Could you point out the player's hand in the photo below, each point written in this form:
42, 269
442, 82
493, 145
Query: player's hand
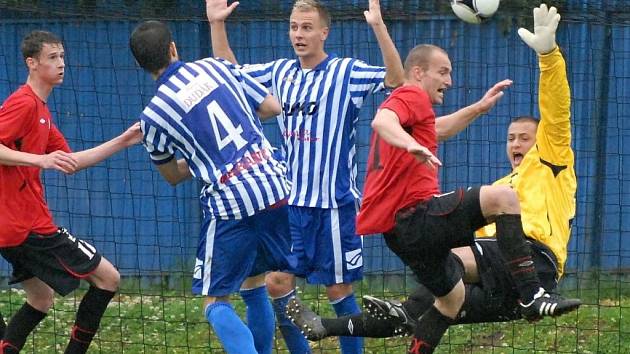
424, 155
59, 160
373, 16
218, 10
543, 40
492, 96
133, 135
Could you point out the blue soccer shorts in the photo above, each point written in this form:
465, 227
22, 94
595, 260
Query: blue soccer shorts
229, 251
325, 244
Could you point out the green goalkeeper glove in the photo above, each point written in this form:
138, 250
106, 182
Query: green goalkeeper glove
543, 40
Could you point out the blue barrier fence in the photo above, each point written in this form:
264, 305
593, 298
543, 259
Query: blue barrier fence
147, 227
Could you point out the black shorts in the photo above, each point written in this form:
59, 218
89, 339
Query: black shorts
495, 298
59, 260
424, 235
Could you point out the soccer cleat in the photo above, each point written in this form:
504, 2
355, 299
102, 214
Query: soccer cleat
306, 320
391, 310
547, 304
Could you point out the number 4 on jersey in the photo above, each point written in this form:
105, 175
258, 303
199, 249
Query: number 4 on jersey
217, 115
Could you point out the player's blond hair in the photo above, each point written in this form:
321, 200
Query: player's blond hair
313, 5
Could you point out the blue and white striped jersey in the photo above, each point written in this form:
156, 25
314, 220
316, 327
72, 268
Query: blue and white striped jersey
320, 109
206, 110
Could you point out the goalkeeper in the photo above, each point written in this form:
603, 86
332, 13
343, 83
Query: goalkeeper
544, 178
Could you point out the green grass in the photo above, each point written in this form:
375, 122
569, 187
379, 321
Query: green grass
152, 320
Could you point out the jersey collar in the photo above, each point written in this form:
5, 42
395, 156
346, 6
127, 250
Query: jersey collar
322, 65
170, 70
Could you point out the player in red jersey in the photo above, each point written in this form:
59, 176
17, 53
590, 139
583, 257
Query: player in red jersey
47, 258
402, 200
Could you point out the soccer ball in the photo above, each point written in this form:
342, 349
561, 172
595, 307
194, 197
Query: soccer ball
474, 11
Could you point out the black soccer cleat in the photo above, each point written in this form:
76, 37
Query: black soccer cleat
547, 304
391, 310
306, 320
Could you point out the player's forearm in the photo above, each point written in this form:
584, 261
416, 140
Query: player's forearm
270, 107
387, 126
95, 155
395, 75
220, 44
175, 171
449, 125
10, 157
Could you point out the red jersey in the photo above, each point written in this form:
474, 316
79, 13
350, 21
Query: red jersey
395, 179
25, 125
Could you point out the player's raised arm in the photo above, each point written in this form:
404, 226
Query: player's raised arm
554, 95
217, 11
395, 74
449, 125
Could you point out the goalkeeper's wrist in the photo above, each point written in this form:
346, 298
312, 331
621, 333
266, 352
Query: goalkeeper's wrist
549, 53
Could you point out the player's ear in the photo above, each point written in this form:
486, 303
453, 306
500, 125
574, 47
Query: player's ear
324, 35
418, 73
30, 63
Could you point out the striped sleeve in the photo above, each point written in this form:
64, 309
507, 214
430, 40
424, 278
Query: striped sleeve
255, 92
262, 73
157, 142
366, 78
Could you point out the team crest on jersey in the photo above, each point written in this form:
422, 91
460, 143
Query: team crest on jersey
195, 91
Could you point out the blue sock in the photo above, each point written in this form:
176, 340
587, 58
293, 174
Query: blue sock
231, 331
343, 307
293, 337
260, 319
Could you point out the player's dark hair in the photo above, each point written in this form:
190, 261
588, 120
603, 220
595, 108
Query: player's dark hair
523, 119
150, 42
33, 42
420, 56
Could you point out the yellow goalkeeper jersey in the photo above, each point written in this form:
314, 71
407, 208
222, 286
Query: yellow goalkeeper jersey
545, 180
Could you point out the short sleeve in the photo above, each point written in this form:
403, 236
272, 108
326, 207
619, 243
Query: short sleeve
156, 141
14, 115
366, 79
254, 91
262, 73
410, 105
56, 140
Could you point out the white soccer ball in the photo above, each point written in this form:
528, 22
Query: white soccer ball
474, 11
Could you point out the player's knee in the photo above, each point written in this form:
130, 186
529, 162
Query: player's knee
450, 304
108, 280
114, 280
338, 291
105, 277
279, 284
254, 282
42, 300
499, 200
211, 300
